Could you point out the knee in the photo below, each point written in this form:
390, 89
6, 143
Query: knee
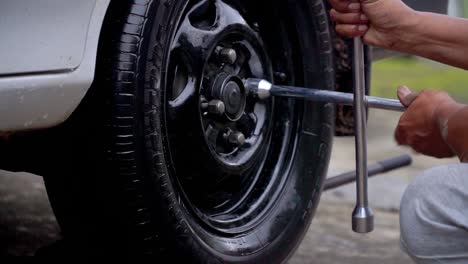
422, 212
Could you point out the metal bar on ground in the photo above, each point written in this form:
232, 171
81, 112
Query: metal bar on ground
373, 170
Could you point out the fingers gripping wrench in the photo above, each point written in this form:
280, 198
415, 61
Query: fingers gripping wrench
363, 217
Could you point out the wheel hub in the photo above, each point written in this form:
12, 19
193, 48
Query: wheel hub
234, 130
231, 91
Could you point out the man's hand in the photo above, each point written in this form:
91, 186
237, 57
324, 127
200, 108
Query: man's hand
424, 125
381, 22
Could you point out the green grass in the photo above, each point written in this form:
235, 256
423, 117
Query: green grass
417, 74
463, 4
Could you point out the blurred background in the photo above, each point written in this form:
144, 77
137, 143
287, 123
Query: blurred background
27, 222
458, 8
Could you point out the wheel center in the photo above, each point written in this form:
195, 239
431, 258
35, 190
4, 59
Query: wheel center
235, 126
231, 91
232, 98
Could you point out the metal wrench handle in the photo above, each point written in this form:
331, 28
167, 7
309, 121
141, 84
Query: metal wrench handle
316, 95
363, 217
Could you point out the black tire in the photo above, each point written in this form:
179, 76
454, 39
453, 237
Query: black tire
113, 188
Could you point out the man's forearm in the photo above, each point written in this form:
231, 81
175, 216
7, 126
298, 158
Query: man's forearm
437, 37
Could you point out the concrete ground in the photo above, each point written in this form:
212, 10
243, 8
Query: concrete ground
27, 222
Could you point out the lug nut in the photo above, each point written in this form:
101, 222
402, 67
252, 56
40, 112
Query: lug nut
203, 103
227, 55
281, 76
236, 138
216, 107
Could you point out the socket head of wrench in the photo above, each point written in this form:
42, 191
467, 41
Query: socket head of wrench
258, 87
363, 220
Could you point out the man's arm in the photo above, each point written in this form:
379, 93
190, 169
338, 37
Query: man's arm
393, 25
434, 123
437, 37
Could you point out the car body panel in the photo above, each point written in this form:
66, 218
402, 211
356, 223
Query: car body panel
43, 35
47, 73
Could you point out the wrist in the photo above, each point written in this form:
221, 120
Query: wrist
443, 113
456, 128
408, 33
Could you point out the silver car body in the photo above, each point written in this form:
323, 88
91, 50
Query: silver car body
48, 52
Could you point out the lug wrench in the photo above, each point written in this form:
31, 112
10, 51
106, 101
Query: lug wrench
363, 217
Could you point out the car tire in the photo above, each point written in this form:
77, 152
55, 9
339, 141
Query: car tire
134, 177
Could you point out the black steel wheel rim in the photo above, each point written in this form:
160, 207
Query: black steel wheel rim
228, 151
